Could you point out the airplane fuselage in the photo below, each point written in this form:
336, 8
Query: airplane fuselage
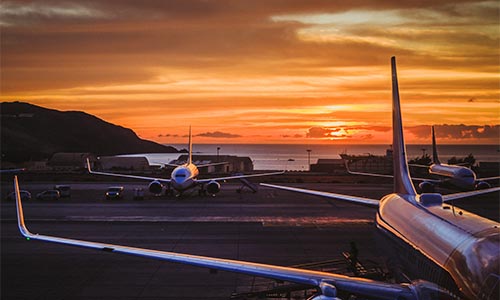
448, 246
461, 177
184, 177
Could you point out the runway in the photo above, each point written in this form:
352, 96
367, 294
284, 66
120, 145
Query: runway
271, 226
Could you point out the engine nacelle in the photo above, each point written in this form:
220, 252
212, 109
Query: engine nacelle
426, 187
155, 187
213, 187
482, 185
328, 292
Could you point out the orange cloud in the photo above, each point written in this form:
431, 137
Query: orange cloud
254, 67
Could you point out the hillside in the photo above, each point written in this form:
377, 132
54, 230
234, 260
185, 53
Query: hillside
33, 132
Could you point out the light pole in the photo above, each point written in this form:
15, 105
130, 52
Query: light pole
309, 158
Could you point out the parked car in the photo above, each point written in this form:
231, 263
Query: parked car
114, 192
25, 195
49, 195
64, 190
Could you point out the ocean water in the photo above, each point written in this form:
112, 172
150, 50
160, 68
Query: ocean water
295, 157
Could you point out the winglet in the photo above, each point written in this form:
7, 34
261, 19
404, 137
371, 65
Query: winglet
190, 157
19, 207
402, 180
346, 163
435, 158
88, 166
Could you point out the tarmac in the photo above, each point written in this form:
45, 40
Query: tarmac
271, 226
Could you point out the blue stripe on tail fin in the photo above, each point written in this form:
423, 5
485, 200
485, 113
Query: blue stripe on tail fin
402, 180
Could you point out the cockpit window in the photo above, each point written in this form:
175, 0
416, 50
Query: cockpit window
180, 175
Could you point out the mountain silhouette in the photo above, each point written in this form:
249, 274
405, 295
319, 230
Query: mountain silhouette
30, 132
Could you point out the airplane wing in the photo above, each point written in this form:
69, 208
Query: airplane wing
199, 166
391, 176
327, 283
165, 164
347, 198
12, 170
126, 175
205, 180
369, 174
488, 178
212, 164
455, 196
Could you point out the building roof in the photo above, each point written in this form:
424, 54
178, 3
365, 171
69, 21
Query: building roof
68, 158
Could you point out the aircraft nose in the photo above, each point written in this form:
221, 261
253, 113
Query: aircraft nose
180, 176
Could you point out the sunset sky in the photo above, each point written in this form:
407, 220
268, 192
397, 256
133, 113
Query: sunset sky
260, 71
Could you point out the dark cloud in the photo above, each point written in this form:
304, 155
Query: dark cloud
318, 132
296, 136
457, 132
167, 54
219, 134
59, 44
168, 135
368, 127
16, 13
365, 137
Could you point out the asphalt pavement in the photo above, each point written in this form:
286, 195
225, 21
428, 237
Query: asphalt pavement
271, 226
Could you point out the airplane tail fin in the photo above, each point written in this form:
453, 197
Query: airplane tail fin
402, 180
435, 158
190, 148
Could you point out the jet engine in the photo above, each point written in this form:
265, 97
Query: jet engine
213, 187
328, 292
155, 187
426, 187
482, 185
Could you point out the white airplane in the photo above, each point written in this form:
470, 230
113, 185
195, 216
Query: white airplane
459, 254
184, 177
458, 176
